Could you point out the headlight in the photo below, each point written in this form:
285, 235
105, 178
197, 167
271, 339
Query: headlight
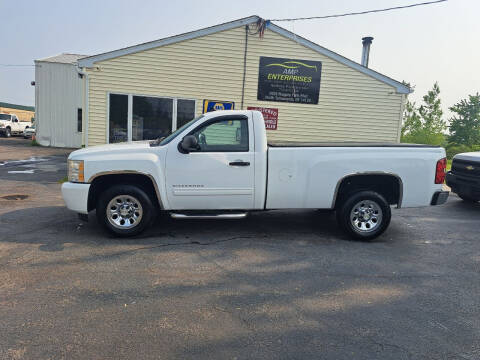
75, 171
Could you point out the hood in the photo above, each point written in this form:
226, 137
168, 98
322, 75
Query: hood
474, 156
119, 148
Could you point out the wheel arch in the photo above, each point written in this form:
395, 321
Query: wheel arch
101, 181
389, 185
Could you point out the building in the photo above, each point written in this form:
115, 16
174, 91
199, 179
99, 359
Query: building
24, 113
59, 101
306, 92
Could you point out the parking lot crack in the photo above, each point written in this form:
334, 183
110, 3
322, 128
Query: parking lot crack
186, 243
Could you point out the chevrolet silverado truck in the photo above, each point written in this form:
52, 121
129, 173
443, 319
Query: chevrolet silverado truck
464, 177
10, 125
220, 165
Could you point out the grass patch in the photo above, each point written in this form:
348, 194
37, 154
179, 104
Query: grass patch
449, 165
64, 179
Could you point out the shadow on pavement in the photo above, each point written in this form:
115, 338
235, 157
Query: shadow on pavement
275, 285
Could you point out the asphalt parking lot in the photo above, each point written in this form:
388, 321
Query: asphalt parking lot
277, 285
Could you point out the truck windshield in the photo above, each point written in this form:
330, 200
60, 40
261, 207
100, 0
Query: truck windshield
178, 131
5, 117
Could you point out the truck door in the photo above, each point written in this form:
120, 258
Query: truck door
15, 124
220, 174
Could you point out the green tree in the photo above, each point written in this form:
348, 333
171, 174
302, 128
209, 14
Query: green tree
465, 124
425, 124
411, 122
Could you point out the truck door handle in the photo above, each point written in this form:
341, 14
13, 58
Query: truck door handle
239, 163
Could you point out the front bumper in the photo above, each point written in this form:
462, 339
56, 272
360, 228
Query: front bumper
439, 198
467, 185
75, 196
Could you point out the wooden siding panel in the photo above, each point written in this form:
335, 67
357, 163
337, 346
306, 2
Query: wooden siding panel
352, 105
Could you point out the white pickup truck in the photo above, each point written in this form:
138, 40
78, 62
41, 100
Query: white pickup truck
220, 165
10, 125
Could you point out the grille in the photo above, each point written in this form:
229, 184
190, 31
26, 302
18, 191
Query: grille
464, 167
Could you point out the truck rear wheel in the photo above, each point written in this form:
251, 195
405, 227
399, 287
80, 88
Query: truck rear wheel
125, 210
364, 215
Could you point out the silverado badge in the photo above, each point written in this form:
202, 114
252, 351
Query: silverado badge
470, 167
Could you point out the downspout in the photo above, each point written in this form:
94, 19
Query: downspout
400, 124
244, 66
85, 101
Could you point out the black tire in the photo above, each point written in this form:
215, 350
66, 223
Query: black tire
8, 132
467, 198
377, 222
147, 215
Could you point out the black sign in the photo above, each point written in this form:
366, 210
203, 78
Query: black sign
289, 80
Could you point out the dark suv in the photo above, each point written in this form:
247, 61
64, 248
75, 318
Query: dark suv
464, 178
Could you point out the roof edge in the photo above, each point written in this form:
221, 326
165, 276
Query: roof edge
400, 87
56, 58
91, 60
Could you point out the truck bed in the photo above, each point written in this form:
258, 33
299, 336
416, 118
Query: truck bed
307, 174
283, 144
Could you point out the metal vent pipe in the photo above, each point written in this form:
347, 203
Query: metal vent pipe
366, 41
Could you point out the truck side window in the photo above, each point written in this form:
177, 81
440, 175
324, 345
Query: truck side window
223, 136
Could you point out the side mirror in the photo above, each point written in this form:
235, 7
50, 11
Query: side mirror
188, 144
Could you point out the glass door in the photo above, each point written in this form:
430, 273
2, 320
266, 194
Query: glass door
185, 111
118, 118
151, 117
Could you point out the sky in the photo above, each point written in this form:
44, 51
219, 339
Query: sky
420, 45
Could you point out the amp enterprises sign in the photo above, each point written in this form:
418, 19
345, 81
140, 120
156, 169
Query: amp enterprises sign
289, 80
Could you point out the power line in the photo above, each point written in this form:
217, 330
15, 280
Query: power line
361, 12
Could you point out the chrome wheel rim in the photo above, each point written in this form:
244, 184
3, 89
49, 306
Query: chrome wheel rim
366, 216
124, 212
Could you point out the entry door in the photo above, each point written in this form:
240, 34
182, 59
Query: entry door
220, 175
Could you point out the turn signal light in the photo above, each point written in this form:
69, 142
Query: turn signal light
440, 171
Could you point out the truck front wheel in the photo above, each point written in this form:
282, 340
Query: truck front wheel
8, 132
364, 215
125, 210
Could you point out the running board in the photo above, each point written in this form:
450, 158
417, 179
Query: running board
209, 216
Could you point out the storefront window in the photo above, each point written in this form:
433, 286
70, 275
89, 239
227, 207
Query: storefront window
134, 117
185, 111
151, 117
118, 118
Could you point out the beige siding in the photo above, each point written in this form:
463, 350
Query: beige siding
352, 106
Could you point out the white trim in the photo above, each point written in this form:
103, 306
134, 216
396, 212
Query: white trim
174, 115
129, 118
87, 95
91, 60
107, 126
